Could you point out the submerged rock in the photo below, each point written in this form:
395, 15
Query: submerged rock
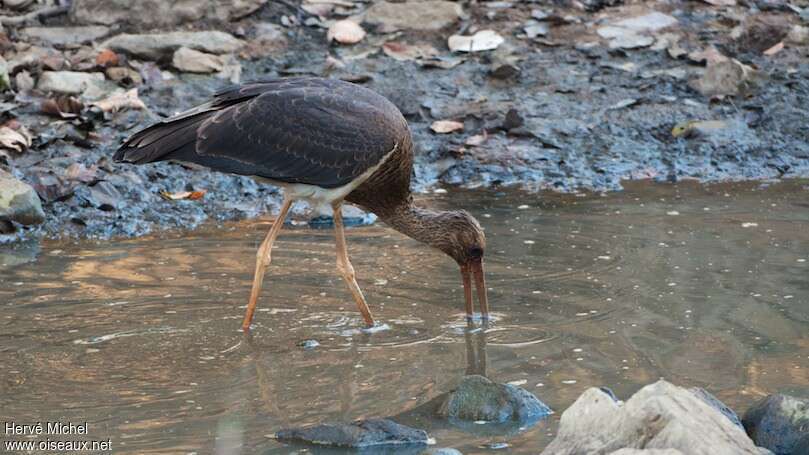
779, 423
161, 45
478, 398
659, 416
441, 451
18, 201
359, 434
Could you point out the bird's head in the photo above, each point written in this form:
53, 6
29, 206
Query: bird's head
464, 241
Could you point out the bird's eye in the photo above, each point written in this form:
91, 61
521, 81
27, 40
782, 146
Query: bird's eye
476, 252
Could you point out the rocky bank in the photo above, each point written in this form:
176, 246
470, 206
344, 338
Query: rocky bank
565, 96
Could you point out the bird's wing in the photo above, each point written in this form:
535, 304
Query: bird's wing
302, 130
315, 135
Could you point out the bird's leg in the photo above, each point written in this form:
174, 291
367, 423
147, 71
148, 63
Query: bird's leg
345, 268
263, 258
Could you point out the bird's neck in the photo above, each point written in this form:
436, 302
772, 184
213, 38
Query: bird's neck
417, 222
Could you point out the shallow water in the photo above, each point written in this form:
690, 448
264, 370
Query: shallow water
703, 285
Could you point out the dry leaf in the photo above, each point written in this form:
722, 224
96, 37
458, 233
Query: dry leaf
775, 49
446, 126
62, 106
476, 140
345, 32
403, 52
77, 171
484, 40
120, 101
191, 195
17, 140
721, 2
107, 58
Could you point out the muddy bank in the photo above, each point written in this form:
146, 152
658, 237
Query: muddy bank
569, 97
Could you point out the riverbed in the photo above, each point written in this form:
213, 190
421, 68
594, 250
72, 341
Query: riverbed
704, 285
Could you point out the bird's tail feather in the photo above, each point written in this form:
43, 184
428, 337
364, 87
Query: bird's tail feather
162, 140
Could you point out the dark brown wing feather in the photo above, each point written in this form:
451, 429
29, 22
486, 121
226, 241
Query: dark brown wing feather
301, 130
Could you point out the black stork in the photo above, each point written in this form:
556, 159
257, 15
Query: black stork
321, 140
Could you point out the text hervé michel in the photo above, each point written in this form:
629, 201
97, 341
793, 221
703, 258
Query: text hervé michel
38, 428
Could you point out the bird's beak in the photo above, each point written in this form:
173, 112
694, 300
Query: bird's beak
474, 269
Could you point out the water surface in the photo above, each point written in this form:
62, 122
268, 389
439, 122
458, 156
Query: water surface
703, 285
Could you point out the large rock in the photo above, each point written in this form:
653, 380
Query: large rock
779, 422
68, 82
715, 403
162, 45
359, 434
413, 15
18, 201
478, 398
62, 36
659, 416
159, 13
647, 452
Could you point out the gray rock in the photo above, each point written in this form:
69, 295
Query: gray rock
441, 451
779, 423
191, 61
426, 15
103, 196
163, 45
18, 201
478, 398
727, 77
647, 452
68, 82
659, 416
803, 445
359, 434
267, 39
61, 36
159, 13
715, 403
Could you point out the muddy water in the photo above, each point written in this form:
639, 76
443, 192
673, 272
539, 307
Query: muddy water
705, 286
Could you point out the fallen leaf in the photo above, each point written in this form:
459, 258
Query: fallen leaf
446, 126
62, 106
697, 127
17, 140
484, 40
345, 32
721, 2
77, 171
179, 195
120, 100
775, 49
622, 104
708, 55
476, 140
404, 52
107, 58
